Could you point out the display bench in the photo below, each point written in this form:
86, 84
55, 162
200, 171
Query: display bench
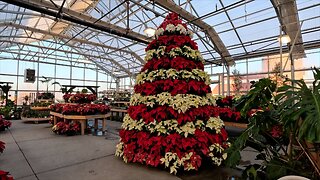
37, 119
117, 112
82, 119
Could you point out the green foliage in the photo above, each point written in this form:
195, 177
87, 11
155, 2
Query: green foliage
6, 111
29, 113
260, 95
84, 91
296, 110
301, 102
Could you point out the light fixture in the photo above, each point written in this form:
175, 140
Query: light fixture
149, 31
284, 39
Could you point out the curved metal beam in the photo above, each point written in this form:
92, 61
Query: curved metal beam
48, 8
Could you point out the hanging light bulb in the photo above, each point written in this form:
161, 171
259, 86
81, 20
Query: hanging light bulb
284, 39
149, 31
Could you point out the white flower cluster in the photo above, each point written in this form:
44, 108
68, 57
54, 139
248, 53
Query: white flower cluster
172, 28
166, 127
151, 76
184, 51
179, 102
215, 123
217, 148
119, 149
173, 161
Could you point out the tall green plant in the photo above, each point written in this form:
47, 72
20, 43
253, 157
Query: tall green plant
295, 110
299, 107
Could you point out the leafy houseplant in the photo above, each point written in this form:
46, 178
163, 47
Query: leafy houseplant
300, 111
273, 127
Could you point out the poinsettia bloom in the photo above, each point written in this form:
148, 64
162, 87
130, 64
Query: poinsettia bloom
276, 131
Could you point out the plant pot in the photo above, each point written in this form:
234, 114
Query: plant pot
2, 128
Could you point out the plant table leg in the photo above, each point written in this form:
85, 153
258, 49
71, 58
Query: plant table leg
82, 126
54, 120
104, 122
96, 124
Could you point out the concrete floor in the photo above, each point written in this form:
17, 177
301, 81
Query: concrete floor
34, 152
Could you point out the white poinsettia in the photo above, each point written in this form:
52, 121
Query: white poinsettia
169, 126
185, 51
173, 161
170, 28
181, 29
159, 32
215, 123
217, 148
151, 76
119, 149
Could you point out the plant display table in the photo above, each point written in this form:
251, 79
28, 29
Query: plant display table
33, 111
117, 111
82, 119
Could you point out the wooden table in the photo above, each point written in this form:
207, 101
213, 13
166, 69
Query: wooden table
237, 125
117, 111
82, 119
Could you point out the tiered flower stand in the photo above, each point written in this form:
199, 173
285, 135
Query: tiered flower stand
82, 119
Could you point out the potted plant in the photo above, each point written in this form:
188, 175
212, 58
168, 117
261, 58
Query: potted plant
299, 109
283, 122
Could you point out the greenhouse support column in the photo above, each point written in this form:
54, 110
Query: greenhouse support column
117, 84
55, 75
38, 78
17, 86
97, 76
228, 80
247, 70
70, 72
84, 74
219, 80
222, 82
281, 70
292, 69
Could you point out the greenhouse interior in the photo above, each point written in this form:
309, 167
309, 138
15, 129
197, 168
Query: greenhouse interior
160, 89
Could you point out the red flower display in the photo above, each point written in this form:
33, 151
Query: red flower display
173, 86
80, 109
68, 128
79, 98
157, 133
178, 63
5, 175
227, 112
4, 124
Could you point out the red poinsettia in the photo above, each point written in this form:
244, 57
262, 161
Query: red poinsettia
69, 128
172, 41
79, 98
81, 109
178, 63
4, 124
5, 175
175, 87
276, 131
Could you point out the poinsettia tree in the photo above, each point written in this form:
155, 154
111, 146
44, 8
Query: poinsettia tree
172, 121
